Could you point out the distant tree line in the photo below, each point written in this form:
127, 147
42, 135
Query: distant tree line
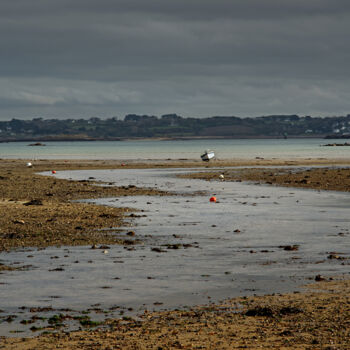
174, 126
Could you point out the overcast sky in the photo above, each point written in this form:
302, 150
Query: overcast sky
196, 58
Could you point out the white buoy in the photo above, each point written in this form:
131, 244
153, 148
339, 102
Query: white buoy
221, 176
29, 165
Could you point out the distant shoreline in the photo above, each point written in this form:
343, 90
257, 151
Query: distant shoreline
172, 138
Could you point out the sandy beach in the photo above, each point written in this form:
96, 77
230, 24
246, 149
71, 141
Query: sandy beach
38, 212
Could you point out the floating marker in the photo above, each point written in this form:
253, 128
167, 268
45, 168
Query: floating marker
29, 165
53, 171
212, 199
221, 176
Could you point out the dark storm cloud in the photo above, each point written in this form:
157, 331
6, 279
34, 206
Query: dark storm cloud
203, 9
198, 57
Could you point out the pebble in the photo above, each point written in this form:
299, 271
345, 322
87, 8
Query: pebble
158, 250
319, 278
290, 247
18, 222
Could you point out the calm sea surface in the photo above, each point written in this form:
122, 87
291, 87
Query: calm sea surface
189, 149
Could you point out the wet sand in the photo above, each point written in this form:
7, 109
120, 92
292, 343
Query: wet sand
312, 320
315, 320
330, 179
38, 210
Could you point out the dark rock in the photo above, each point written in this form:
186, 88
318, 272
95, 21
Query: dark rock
174, 246
269, 312
260, 311
136, 216
335, 256
34, 202
286, 333
158, 250
319, 278
187, 245
14, 235
290, 310
290, 247
37, 144
129, 242
104, 215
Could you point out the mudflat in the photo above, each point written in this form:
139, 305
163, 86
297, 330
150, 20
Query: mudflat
38, 212
330, 179
311, 320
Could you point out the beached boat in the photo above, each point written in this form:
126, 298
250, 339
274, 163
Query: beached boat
207, 155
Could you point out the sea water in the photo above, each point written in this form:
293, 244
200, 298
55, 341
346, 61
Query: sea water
172, 149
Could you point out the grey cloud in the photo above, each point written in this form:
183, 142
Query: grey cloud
198, 57
192, 9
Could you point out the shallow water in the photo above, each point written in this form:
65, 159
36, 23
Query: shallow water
218, 263
175, 149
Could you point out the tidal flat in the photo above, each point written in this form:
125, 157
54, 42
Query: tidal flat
172, 249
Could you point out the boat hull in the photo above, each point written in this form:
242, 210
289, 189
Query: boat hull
207, 156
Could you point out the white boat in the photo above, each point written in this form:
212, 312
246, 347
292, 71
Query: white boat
207, 155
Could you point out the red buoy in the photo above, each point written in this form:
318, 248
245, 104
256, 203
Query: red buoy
212, 199
53, 171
